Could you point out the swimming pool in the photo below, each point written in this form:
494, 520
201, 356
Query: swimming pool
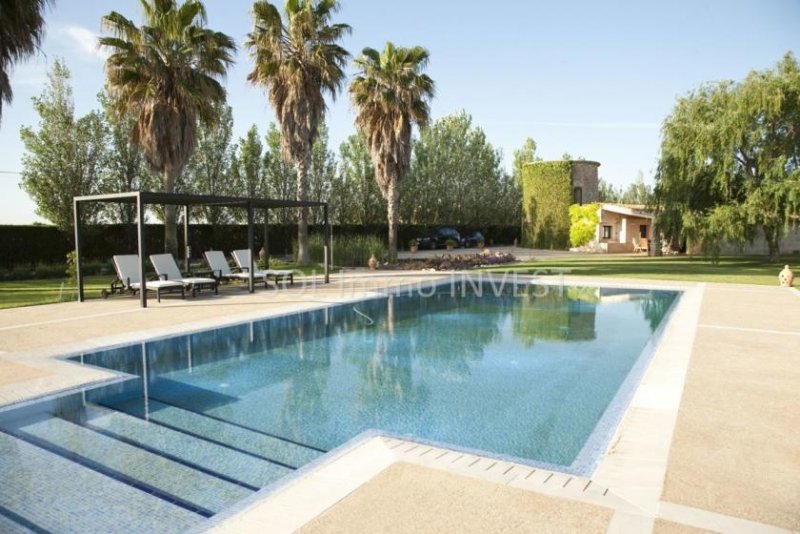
199, 422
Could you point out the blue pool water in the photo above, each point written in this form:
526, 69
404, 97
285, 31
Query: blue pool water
539, 374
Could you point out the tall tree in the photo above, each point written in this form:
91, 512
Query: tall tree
730, 161
391, 94
124, 167
281, 176
607, 192
322, 171
210, 169
355, 196
638, 192
298, 61
525, 154
456, 177
21, 32
168, 73
250, 160
64, 156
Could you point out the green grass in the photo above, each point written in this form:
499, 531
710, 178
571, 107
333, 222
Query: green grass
734, 270
14, 294
32, 292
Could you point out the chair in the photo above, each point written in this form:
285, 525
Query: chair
127, 268
167, 269
644, 245
242, 259
222, 270
636, 245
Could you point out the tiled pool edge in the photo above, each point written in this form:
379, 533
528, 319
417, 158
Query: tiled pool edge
635, 464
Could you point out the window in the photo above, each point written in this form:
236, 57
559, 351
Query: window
643, 231
577, 195
608, 232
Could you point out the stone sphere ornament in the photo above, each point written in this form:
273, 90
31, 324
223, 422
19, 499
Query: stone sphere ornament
786, 277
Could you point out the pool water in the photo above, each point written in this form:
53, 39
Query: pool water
541, 374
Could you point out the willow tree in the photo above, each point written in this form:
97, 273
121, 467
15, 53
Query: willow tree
298, 60
391, 94
167, 73
21, 33
729, 168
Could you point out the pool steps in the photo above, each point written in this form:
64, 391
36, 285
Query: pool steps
183, 465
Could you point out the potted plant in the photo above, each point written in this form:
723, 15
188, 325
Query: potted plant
481, 244
450, 244
413, 246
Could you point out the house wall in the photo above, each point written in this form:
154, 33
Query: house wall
624, 229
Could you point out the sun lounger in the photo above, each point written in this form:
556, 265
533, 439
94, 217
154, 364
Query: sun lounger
222, 270
242, 259
127, 267
167, 269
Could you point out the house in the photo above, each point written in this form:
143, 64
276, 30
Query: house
623, 228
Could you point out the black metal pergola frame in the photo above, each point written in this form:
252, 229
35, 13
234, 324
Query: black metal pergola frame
144, 198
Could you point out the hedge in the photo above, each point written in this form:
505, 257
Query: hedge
546, 197
35, 245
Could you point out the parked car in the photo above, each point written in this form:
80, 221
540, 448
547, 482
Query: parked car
471, 239
438, 238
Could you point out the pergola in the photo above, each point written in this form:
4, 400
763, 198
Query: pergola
144, 198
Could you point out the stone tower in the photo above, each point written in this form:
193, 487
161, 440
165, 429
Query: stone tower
585, 181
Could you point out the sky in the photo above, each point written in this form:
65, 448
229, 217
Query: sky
594, 79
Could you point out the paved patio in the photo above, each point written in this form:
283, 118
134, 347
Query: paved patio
732, 463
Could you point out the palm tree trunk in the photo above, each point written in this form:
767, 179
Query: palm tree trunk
170, 216
391, 212
303, 256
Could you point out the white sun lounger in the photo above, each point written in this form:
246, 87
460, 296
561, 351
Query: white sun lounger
168, 270
222, 270
127, 267
242, 259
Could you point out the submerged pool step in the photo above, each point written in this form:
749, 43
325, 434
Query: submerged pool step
184, 485
50, 493
228, 462
216, 430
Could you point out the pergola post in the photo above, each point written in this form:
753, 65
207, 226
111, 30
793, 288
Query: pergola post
186, 249
76, 212
327, 241
250, 238
142, 250
266, 238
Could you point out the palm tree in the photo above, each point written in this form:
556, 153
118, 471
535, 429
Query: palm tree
167, 73
391, 94
21, 33
296, 61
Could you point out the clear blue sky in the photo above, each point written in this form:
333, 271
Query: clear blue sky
591, 78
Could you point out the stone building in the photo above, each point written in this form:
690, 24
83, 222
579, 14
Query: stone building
585, 181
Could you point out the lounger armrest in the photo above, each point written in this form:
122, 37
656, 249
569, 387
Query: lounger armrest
244, 269
163, 277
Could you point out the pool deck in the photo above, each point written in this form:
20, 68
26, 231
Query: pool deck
710, 441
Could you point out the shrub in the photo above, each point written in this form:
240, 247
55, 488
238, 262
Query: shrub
348, 250
583, 223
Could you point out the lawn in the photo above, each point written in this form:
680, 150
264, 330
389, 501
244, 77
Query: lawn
14, 294
31, 292
735, 270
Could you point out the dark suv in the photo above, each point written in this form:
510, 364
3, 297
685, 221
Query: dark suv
438, 238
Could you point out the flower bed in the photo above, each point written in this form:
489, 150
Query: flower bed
450, 262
